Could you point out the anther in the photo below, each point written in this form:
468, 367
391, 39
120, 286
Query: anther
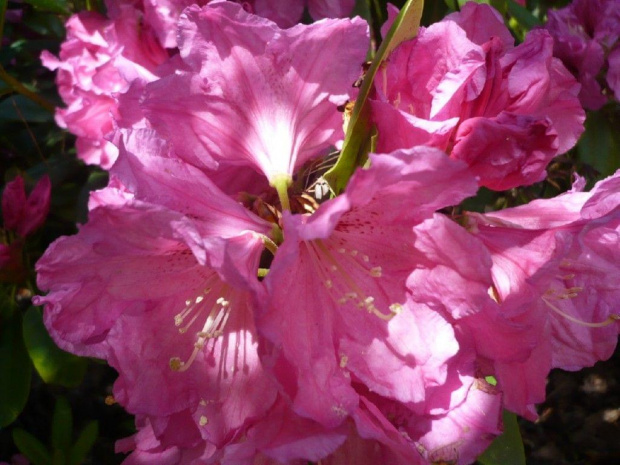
203, 420
175, 364
213, 327
396, 308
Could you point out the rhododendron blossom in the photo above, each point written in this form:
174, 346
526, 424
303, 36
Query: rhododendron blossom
99, 59
464, 88
587, 35
547, 291
180, 274
256, 95
580, 235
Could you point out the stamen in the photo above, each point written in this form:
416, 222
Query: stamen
396, 308
189, 307
363, 301
610, 319
203, 421
213, 327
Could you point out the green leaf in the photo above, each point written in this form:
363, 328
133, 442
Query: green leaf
62, 425
48, 26
84, 443
59, 458
53, 364
357, 140
599, 146
523, 16
54, 6
507, 449
20, 108
15, 370
361, 9
500, 5
452, 4
31, 447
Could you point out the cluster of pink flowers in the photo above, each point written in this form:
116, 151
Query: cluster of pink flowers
251, 322
587, 40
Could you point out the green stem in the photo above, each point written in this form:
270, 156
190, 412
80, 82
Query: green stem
281, 183
21, 89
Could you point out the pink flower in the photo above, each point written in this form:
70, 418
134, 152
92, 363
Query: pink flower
160, 282
586, 35
557, 259
341, 261
461, 86
256, 95
98, 61
25, 214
